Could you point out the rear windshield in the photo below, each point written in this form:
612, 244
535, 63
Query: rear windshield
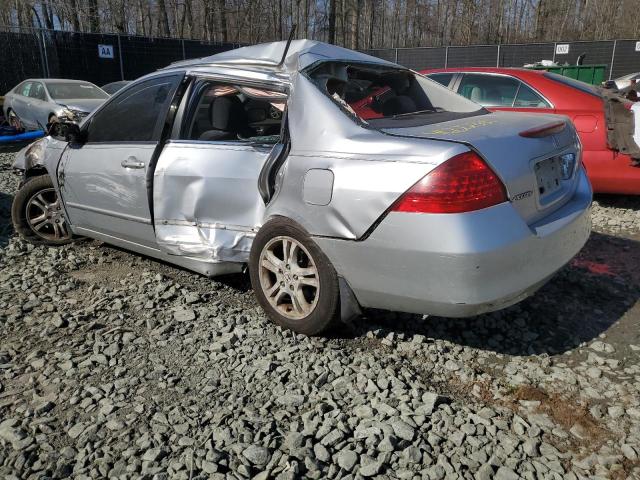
387, 96
573, 83
66, 90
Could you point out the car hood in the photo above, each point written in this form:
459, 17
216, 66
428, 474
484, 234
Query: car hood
82, 104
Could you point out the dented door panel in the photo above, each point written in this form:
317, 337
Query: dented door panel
205, 199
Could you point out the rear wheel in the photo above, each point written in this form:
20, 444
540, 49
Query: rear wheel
293, 279
37, 213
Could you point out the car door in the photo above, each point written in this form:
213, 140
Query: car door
104, 180
39, 108
206, 199
502, 92
20, 104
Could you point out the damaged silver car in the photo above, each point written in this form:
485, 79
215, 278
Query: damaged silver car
340, 180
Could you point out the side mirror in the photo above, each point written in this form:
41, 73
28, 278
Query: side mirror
67, 132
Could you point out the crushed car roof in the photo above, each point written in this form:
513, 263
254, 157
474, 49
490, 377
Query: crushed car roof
301, 53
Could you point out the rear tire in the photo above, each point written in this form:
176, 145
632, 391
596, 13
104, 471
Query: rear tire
293, 279
37, 213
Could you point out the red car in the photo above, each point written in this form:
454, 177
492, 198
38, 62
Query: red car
538, 91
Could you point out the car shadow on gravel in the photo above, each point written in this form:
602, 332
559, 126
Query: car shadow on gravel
6, 227
582, 301
631, 202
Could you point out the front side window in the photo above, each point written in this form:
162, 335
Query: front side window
489, 90
75, 90
137, 115
386, 96
235, 113
37, 91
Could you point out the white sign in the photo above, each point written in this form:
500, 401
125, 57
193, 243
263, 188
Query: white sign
562, 49
637, 46
105, 51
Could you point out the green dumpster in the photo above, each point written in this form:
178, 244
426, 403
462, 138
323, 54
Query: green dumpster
593, 74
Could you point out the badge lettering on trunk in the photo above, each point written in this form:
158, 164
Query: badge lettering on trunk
522, 195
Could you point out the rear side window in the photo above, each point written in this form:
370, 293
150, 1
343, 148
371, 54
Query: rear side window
441, 78
137, 115
527, 98
573, 83
489, 90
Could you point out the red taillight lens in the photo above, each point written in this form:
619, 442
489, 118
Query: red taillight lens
461, 184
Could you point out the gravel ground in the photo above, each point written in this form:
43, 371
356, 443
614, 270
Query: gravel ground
114, 365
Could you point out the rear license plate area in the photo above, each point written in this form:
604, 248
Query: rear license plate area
548, 176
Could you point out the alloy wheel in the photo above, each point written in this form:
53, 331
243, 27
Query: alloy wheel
289, 277
44, 216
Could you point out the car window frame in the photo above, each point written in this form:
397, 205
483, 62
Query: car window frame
158, 128
462, 73
192, 97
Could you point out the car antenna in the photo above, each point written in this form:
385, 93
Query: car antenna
286, 48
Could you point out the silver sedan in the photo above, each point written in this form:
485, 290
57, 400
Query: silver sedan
38, 101
340, 180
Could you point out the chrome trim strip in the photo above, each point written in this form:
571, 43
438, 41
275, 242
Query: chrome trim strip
109, 213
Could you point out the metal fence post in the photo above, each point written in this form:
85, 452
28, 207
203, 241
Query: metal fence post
396, 55
446, 56
46, 58
613, 57
120, 58
498, 59
555, 46
184, 56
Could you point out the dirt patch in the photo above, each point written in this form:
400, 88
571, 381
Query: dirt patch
571, 414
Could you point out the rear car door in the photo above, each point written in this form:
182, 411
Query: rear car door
104, 182
502, 92
206, 199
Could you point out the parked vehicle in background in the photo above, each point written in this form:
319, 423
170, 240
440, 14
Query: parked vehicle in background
113, 87
256, 157
625, 80
603, 120
36, 102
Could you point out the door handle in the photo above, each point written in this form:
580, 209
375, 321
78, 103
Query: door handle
132, 162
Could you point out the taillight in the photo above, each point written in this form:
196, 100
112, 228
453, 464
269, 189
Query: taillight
461, 184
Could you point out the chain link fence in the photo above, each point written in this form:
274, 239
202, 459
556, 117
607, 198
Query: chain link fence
98, 58
620, 56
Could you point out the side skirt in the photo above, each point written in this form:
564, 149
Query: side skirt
208, 268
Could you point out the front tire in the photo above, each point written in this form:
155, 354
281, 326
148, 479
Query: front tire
293, 279
37, 213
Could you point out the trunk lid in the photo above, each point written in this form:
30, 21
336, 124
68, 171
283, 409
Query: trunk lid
530, 167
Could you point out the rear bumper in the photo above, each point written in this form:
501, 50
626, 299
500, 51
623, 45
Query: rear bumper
464, 264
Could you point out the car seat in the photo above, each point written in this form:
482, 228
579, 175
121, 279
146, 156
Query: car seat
228, 119
476, 95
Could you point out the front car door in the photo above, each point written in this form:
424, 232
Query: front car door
39, 108
104, 181
502, 92
206, 199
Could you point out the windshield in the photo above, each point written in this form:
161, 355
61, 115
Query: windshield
573, 83
66, 90
386, 96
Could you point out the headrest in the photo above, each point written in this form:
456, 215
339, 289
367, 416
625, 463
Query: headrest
227, 113
397, 105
